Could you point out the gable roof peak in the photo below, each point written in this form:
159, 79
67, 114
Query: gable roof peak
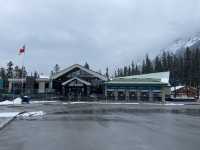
98, 75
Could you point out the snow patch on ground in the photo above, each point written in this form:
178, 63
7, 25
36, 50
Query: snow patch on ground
117, 103
8, 114
42, 102
15, 101
173, 104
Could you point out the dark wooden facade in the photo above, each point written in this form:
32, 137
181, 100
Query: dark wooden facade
76, 82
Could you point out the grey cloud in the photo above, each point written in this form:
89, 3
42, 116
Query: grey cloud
102, 32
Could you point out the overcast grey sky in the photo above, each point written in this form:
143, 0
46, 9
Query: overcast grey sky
101, 32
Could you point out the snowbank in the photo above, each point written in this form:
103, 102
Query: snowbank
124, 103
173, 104
6, 102
42, 102
35, 114
102, 103
15, 101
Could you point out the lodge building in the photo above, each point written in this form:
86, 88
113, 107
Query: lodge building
29, 85
77, 82
80, 83
146, 87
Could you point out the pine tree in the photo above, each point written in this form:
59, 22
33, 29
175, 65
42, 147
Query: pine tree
144, 67
115, 74
107, 73
3, 73
148, 65
56, 68
17, 72
187, 67
36, 74
158, 65
132, 68
137, 70
164, 61
129, 70
10, 69
87, 65
125, 71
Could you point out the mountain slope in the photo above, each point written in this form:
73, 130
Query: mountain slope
180, 45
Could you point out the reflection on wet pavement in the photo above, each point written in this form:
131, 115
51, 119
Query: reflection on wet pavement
105, 128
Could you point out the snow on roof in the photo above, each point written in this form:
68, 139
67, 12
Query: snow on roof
43, 76
162, 76
100, 76
76, 78
151, 78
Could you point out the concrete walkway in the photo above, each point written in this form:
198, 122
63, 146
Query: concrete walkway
6, 118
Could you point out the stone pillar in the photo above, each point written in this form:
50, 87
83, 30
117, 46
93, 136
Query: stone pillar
138, 95
116, 95
51, 84
150, 96
106, 94
63, 91
10, 86
88, 90
163, 94
127, 95
41, 87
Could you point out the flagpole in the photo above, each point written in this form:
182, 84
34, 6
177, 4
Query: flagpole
23, 60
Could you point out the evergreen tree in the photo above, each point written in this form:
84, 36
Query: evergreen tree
107, 73
129, 70
164, 61
17, 72
187, 67
144, 67
158, 65
10, 69
3, 73
115, 74
87, 65
23, 72
56, 68
36, 74
137, 70
132, 68
125, 71
147, 65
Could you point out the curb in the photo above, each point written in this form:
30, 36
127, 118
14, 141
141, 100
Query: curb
7, 121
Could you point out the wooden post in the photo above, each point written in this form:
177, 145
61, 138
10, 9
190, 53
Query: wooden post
163, 94
10, 86
150, 96
127, 95
116, 95
138, 95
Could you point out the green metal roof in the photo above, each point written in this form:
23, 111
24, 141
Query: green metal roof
161, 78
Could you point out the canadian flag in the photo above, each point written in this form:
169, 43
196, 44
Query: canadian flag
22, 50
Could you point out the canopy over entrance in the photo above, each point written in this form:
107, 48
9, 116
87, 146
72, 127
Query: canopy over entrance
76, 82
76, 88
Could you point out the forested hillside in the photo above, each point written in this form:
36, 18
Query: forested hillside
184, 68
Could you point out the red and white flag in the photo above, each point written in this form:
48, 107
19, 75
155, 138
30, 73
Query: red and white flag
22, 50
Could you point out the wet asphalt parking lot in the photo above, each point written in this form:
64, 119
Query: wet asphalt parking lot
108, 127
